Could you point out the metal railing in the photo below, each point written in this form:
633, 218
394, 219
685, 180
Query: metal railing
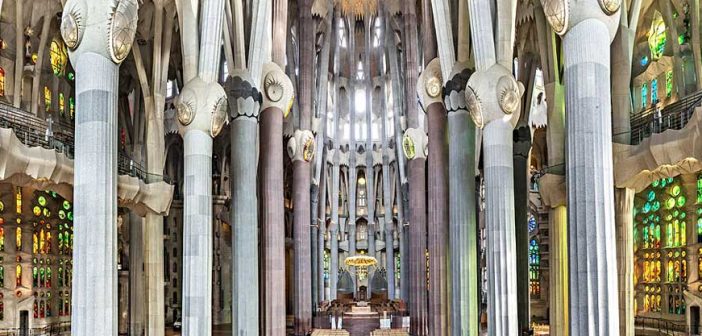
31, 131
54, 329
661, 326
673, 116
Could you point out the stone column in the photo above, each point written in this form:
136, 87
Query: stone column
429, 89
202, 112
624, 219
277, 99
387, 191
137, 296
415, 148
553, 196
334, 196
689, 185
244, 103
493, 97
588, 27
463, 245
321, 220
520, 159
90, 30
351, 223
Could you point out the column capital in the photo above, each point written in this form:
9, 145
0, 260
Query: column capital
454, 90
562, 15
202, 106
301, 146
493, 94
429, 85
414, 144
244, 98
104, 27
277, 88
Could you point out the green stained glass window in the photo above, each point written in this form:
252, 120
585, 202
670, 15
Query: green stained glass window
657, 36
651, 195
654, 90
669, 84
644, 95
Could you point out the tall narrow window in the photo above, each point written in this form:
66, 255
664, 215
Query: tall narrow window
2, 82
18, 273
18, 238
654, 91
644, 95
72, 108
534, 268
47, 99
62, 104
669, 84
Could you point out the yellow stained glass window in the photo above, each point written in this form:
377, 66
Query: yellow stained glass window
47, 99
2, 81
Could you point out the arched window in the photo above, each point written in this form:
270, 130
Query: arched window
72, 108
654, 90
18, 238
2, 82
35, 276
58, 56
657, 36
18, 274
644, 95
62, 104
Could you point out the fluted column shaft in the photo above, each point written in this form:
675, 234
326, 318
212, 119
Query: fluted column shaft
624, 217
499, 223
272, 218
137, 299
389, 227
94, 294
197, 234
301, 219
334, 227
463, 248
417, 248
593, 280
322, 222
438, 218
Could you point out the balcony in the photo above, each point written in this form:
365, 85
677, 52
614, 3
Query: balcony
674, 116
31, 131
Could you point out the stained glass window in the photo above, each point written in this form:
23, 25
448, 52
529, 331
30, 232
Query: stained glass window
644, 60
661, 207
2, 81
62, 104
654, 91
534, 268
72, 107
657, 36
18, 274
18, 200
58, 57
532, 223
644, 95
47, 99
669, 84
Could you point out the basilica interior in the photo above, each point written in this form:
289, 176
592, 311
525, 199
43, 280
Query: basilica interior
350, 167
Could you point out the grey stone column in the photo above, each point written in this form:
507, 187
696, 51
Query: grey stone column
94, 294
137, 296
334, 225
429, 89
276, 99
594, 307
244, 104
321, 220
387, 194
624, 219
351, 223
520, 160
463, 245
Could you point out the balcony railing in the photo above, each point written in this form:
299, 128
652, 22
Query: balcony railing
31, 131
673, 116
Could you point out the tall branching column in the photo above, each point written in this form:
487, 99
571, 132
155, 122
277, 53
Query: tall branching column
96, 47
277, 98
462, 211
414, 143
387, 190
301, 149
493, 97
352, 178
588, 27
244, 103
202, 112
429, 89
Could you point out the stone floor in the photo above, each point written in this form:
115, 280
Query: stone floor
219, 330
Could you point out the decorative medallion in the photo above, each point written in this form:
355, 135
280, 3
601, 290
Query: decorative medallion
185, 111
273, 88
122, 29
433, 87
71, 28
308, 149
610, 6
474, 108
408, 147
219, 116
556, 12
509, 95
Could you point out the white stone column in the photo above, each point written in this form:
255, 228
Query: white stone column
493, 98
99, 37
588, 27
